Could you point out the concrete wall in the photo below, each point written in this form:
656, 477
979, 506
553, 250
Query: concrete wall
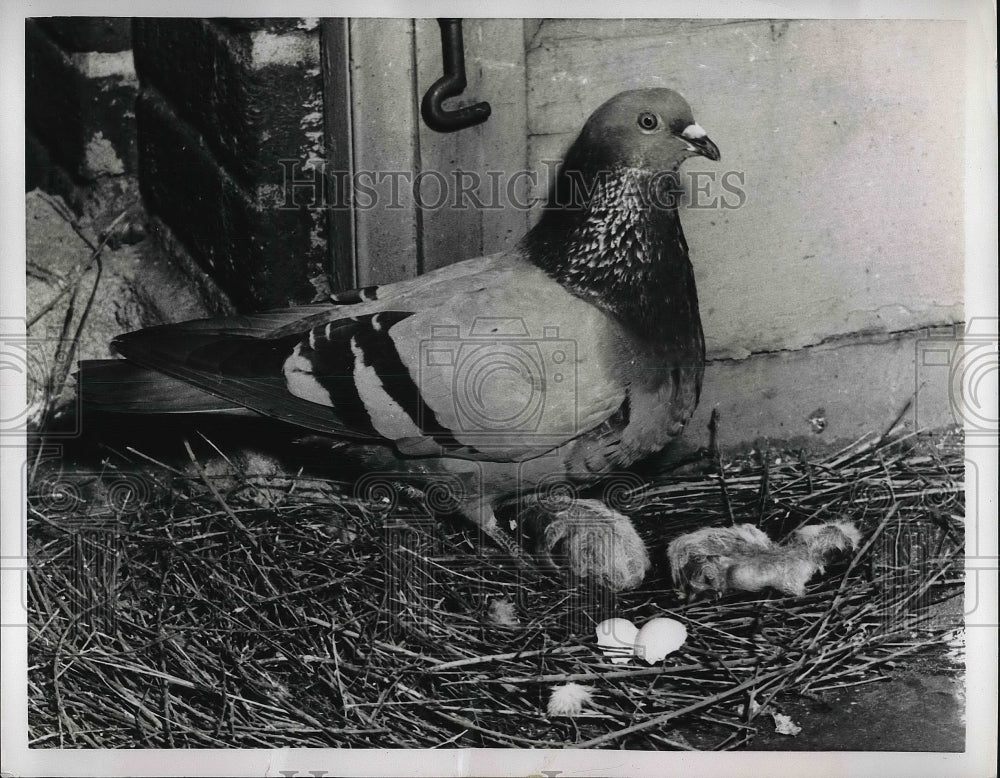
850, 135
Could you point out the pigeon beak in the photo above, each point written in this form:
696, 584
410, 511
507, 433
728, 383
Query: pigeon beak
699, 143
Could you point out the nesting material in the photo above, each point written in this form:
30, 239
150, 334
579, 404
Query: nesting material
503, 613
569, 700
186, 618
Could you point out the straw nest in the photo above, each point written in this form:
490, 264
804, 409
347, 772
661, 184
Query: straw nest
171, 608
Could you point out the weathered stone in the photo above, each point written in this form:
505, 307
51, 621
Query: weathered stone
254, 95
87, 33
137, 286
261, 253
81, 106
269, 24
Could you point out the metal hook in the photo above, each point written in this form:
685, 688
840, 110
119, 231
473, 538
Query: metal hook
451, 84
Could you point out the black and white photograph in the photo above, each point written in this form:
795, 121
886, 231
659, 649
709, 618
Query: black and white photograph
530, 392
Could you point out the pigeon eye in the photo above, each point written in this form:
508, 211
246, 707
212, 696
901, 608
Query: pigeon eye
648, 121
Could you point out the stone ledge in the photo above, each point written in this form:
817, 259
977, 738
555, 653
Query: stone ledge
97, 203
138, 286
823, 397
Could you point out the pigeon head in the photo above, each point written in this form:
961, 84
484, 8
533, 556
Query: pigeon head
639, 140
610, 231
643, 129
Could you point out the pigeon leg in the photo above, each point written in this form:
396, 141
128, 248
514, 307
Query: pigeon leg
506, 543
485, 520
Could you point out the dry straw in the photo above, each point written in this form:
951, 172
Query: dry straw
168, 611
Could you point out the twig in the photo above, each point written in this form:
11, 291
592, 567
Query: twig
714, 450
659, 721
82, 268
764, 493
218, 497
899, 416
244, 661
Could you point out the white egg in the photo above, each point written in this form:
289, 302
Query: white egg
617, 637
659, 637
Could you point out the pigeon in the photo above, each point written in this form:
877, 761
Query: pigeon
573, 355
720, 560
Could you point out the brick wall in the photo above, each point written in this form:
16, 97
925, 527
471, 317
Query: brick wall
79, 98
221, 104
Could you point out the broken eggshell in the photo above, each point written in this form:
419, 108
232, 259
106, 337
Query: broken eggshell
658, 638
616, 638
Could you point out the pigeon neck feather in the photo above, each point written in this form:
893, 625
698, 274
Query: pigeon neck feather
619, 243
